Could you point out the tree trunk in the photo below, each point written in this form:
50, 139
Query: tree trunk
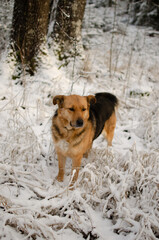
29, 28
67, 27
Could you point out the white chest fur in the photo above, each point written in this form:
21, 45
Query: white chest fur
63, 145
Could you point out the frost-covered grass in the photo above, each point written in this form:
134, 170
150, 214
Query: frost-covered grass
117, 192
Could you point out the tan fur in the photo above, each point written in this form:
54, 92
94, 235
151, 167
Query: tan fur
109, 128
71, 141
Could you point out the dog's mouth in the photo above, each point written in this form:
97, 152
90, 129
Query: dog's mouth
77, 124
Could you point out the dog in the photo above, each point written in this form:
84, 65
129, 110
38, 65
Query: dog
77, 122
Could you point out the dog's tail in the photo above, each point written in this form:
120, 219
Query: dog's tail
108, 96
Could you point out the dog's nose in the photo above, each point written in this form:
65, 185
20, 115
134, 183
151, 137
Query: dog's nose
79, 122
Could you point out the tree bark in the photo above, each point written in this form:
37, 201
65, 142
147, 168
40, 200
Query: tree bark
68, 24
29, 28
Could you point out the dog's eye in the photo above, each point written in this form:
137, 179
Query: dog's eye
83, 109
72, 109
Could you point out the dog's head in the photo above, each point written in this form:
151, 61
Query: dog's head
73, 110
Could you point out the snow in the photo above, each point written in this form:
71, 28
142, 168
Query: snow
117, 193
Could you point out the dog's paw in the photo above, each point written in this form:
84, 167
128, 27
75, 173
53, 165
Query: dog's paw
71, 186
85, 155
59, 178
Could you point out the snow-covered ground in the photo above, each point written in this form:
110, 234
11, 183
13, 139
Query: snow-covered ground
117, 193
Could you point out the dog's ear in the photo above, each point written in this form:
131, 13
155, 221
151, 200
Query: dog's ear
91, 99
59, 99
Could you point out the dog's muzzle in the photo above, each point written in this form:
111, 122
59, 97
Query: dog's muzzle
78, 124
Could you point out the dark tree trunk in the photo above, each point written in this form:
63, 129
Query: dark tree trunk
68, 24
29, 28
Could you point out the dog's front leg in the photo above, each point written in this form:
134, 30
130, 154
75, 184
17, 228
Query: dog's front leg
61, 161
76, 164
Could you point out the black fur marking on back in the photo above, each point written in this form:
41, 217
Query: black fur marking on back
104, 95
102, 110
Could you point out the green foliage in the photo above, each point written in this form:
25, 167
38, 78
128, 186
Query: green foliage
138, 93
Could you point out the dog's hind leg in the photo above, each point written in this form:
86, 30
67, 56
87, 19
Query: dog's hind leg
109, 128
61, 162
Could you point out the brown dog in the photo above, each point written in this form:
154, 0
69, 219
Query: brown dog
77, 122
